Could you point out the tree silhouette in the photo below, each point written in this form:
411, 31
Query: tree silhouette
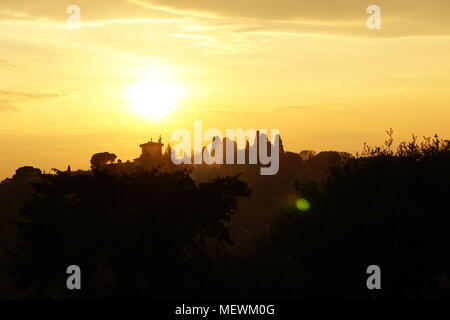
166, 234
133, 235
99, 160
388, 208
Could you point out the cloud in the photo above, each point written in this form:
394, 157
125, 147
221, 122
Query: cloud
222, 38
399, 18
264, 9
218, 111
317, 10
57, 10
325, 104
294, 107
29, 95
7, 96
5, 106
6, 64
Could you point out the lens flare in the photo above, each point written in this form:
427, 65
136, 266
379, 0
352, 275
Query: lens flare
303, 205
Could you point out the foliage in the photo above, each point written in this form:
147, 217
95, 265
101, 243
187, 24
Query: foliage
133, 235
99, 160
388, 208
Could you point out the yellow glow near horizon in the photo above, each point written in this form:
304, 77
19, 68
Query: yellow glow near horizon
155, 99
132, 72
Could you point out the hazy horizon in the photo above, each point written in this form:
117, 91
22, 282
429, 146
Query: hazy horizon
313, 70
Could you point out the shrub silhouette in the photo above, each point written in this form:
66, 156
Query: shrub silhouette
388, 208
133, 235
151, 233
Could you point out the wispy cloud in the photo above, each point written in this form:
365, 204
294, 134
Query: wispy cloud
222, 38
29, 95
218, 111
8, 97
400, 18
294, 107
7, 64
51, 10
5, 106
303, 107
342, 17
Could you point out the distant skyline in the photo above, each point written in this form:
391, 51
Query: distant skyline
311, 69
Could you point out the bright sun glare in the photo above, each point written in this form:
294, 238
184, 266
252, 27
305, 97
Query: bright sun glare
155, 99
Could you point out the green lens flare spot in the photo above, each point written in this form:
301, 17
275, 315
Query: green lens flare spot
303, 205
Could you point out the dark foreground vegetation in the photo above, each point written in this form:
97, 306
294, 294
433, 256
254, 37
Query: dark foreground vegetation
153, 234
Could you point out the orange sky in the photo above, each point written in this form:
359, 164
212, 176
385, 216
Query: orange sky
311, 69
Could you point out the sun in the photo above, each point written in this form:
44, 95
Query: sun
154, 99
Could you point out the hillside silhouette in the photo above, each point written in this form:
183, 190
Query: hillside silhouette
147, 228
